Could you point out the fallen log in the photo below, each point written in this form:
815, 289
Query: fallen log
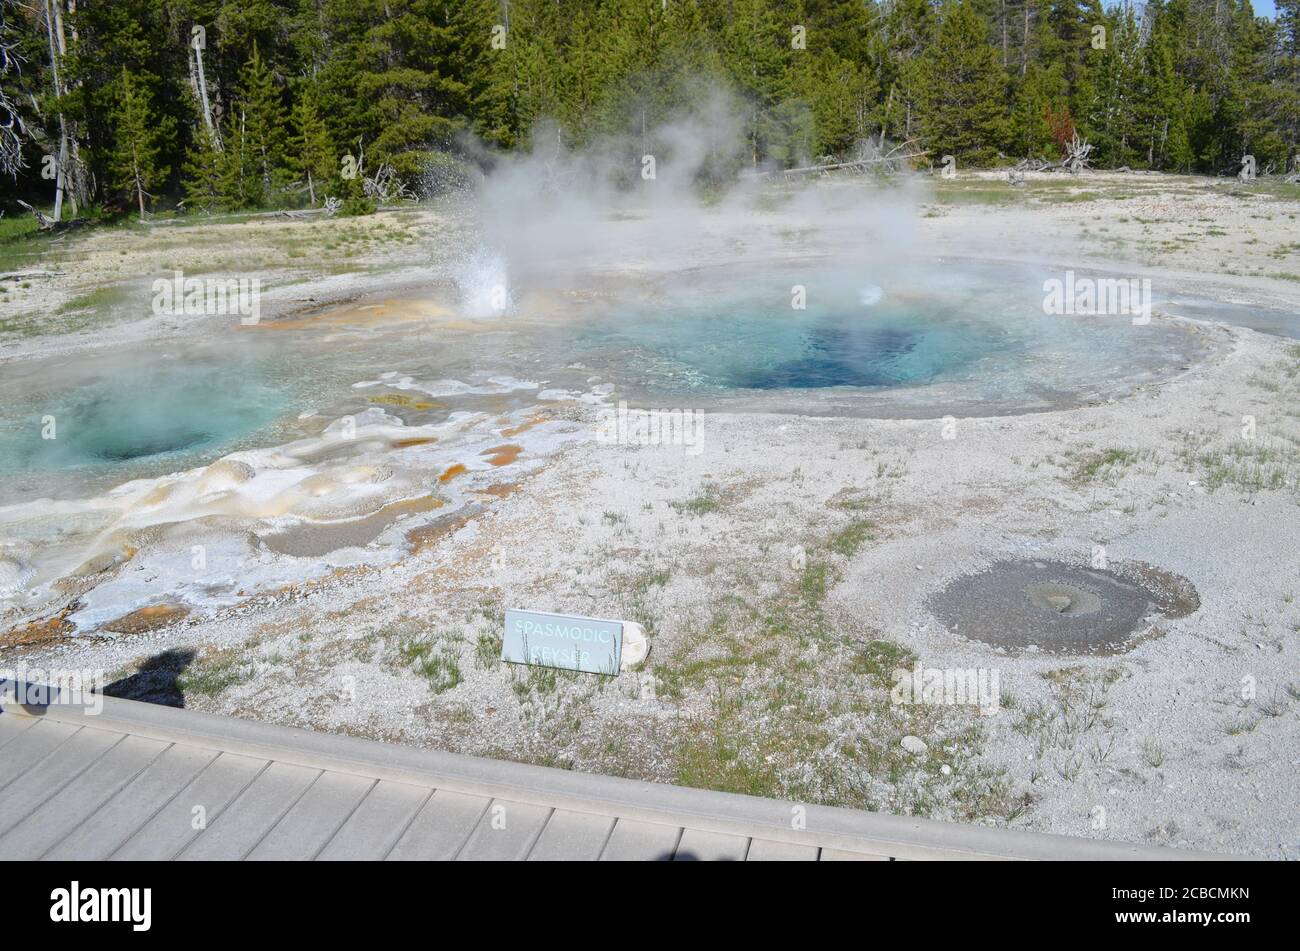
42, 219
47, 223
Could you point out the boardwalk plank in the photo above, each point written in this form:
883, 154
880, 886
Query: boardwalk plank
243, 823
173, 827
75, 802
633, 841
840, 855
378, 822
133, 805
12, 726
767, 850
697, 846
31, 746
505, 833
52, 773
313, 819
441, 828
572, 835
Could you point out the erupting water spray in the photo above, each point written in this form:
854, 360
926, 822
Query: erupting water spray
484, 285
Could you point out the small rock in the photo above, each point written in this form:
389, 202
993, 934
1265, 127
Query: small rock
635, 645
914, 744
945, 769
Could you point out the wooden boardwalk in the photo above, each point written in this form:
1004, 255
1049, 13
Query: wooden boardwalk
137, 781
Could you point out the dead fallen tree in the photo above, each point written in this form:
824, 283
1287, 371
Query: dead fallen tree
329, 210
1078, 158
891, 161
385, 187
47, 223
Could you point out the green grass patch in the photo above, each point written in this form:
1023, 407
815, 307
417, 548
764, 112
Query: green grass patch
848, 540
487, 650
976, 192
214, 672
879, 659
1101, 464
22, 243
1252, 465
708, 499
439, 666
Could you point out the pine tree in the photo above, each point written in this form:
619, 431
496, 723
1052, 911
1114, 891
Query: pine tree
239, 169
483, 70
1165, 109
584, 73
964, 89
906, 32
1266, 87
755, 53
312, 154
1114, 121
262, 116
1040, 99
1284, 76
840, 95
137, 165
412, 91
201, 173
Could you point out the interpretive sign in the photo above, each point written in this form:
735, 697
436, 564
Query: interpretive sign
558, 640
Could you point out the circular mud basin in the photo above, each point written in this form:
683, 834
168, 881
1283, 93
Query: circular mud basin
1057, 608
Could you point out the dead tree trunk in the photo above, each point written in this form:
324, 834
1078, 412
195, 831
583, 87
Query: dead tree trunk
203, 95
50, 7
75, 184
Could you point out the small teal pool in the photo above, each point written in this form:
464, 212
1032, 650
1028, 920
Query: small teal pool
101, 419
188, 409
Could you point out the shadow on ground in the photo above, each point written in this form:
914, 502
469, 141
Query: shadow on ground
155, 680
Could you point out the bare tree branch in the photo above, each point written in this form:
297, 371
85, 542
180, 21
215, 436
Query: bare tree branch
13, 132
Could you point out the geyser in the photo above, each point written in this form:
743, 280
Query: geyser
484, 285
1051, 607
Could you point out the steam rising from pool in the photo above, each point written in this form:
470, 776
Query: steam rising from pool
678, 196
